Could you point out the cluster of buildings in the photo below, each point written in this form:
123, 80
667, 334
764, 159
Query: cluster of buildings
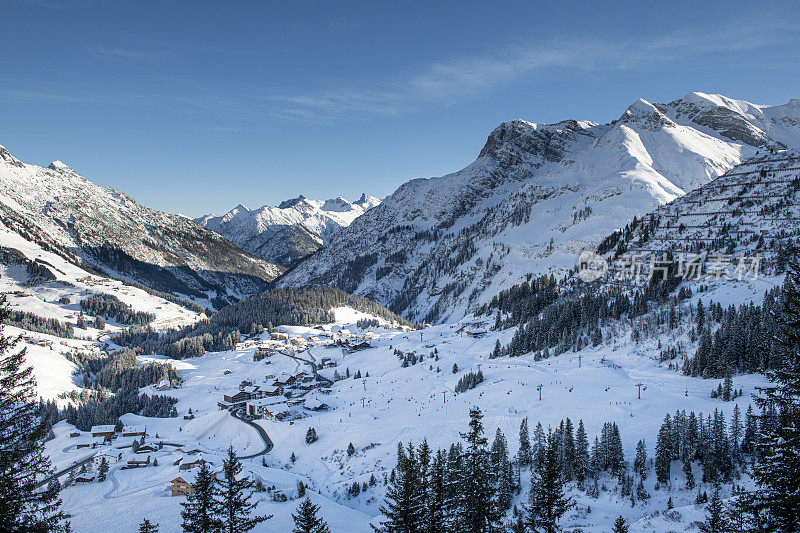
279, 398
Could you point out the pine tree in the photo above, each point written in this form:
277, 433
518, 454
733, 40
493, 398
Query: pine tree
435, 521
478, 509
23, 432
714, 522
232, 498
102, 470
306, 519
401, 505
581, 453
547, 502
524, 453
640, 462
777, 470
200, 510
663, 459
620, 526
351, 450
148, 527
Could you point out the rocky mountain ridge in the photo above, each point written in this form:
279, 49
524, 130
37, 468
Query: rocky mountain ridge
106, 230
536, 196
292, 230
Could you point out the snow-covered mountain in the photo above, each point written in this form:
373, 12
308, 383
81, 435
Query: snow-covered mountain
536, 196
104, 229
291, 231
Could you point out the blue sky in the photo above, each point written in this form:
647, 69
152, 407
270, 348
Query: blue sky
194, 107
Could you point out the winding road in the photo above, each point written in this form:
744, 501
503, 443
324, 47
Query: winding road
261, 433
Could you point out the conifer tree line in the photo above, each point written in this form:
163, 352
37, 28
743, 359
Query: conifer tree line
109, 306
570, 315
555, 318
718, 446
32, 322
438, 491
297, 307
735, 339
119, 370
108, 411
468, 381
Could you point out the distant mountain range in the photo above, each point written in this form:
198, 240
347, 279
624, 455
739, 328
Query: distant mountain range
291, 231
536, 196
105, 230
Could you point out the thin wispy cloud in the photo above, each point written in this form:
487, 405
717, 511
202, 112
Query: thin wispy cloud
119, 53
464, 78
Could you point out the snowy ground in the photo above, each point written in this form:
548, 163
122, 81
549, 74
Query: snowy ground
52, 369
396, 404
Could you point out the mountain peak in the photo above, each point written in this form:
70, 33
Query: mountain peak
6, 156
60, 166
286, 204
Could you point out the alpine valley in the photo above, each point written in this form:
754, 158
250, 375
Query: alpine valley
436, 360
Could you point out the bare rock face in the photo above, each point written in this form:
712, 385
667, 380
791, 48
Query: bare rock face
536, 196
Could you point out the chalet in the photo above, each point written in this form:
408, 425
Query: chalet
84, 478
300, 376
108, 456
146, 448
245, 383
313, 404
253, 391
475, 333
271, 391
93, 442
265, 408
125, 442
103, 431
189, 465
263, 353
134, 431
224, 406
279, 336
238, 398
164, 384
181, 487
137, 463
357, 347
74, 434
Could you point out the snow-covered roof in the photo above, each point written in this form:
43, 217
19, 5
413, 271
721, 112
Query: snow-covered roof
102, 429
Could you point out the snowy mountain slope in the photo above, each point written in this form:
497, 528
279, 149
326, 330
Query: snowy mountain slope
109, 231
751, 211
291, 231
57, 296
534, 199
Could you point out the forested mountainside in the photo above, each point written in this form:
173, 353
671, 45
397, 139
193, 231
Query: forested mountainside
536, 196
735, 235
290, 231
294, 307
103, 229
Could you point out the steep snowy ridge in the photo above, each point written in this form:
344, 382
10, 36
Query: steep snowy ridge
107, 230
536, 196
291, 231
